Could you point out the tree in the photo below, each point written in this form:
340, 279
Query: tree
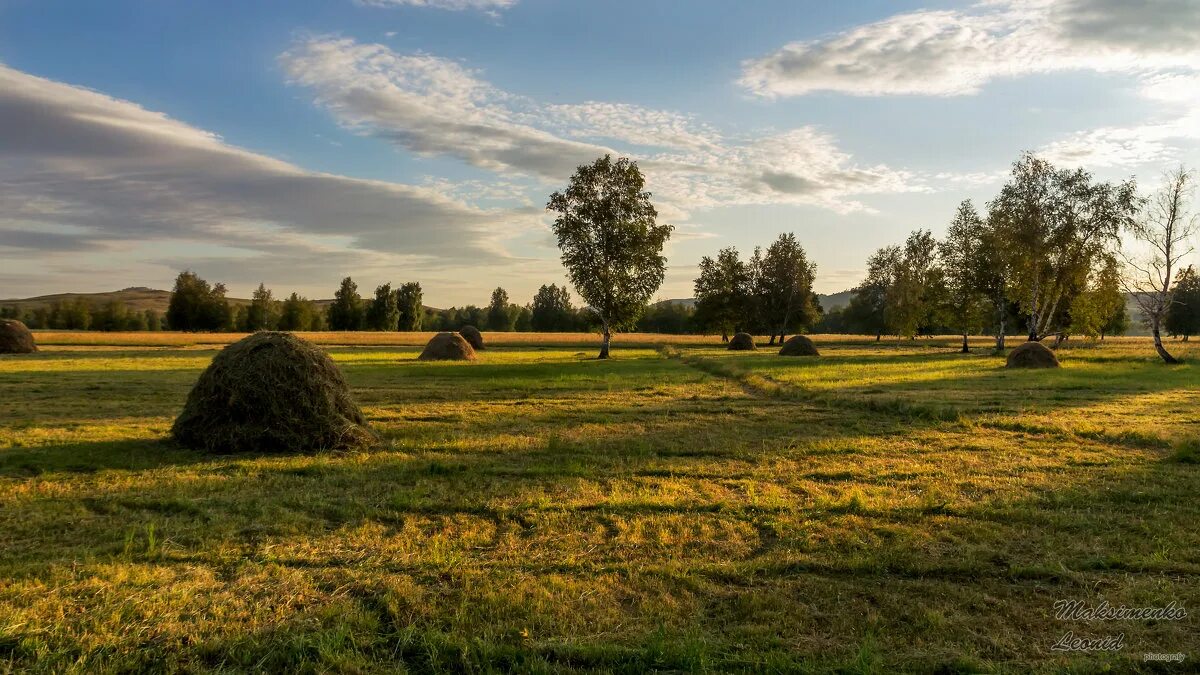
916, 293
498, 317
610, 241
961, 256
551, 310
346, 311
1163, 230
383, 312
524, 318
296, 313
1055, 224
408, 302
1100, 309
723, 293
781, 283
1183, 318
868, 309
262, 314
196, 306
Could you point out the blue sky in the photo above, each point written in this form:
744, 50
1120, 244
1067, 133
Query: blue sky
394, 140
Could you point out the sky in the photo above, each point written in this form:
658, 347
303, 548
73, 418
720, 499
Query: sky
418, 140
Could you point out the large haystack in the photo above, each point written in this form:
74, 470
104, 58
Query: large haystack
448, 347
15, 338
1032, 355
742, 342
473, 337
799, 345
271, 392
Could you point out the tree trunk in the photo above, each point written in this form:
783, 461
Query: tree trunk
1162, 351
604, 345
772, 340
966, 348
1059, 339
724, 336
879, 336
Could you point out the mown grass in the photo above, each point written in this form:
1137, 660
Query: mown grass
882, 508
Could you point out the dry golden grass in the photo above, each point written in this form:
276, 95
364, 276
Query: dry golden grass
881, 508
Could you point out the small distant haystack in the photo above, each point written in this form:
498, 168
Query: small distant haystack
15, 338
742, 342
448, 347
271, 392
799, 345
473, 337
1032, 355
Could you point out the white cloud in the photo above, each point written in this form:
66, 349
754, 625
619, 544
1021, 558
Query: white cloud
952, 53
88, 171
430, 105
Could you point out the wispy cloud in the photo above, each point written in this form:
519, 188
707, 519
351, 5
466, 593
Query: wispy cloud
954, 53
433, 106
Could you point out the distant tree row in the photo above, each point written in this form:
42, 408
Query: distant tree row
80, 314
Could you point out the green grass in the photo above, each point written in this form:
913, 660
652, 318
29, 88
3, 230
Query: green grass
882, 508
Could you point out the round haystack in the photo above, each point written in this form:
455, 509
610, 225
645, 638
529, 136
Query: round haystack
742, 342
271, 392
15, 338
799, 345
1032, 355
473, 337
448, 347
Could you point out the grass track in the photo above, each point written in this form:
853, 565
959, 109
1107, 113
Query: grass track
883, 508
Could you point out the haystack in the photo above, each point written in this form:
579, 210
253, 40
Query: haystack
271, 392
743, 342
473, 337
1032, 355
799, 345
448, 347
15, 338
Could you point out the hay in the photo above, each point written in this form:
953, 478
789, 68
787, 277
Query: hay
1032, 355
15, 338
742, 342
799, 345
271, 392
473, 337
448, 347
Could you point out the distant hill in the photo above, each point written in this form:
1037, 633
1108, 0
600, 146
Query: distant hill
137, 297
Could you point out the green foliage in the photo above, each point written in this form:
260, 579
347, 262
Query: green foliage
1183, 316
1100, 309
263, 312
724, 294
408, 302
611, 244
383, 312
346, 311
197, 306
965, 271
671, 318
781, 286
551, 310
1055, 226
298, 313
499, 318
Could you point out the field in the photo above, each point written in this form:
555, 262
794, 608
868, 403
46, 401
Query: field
886, 507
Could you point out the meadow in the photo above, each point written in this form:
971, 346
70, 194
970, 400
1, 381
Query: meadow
890, 506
